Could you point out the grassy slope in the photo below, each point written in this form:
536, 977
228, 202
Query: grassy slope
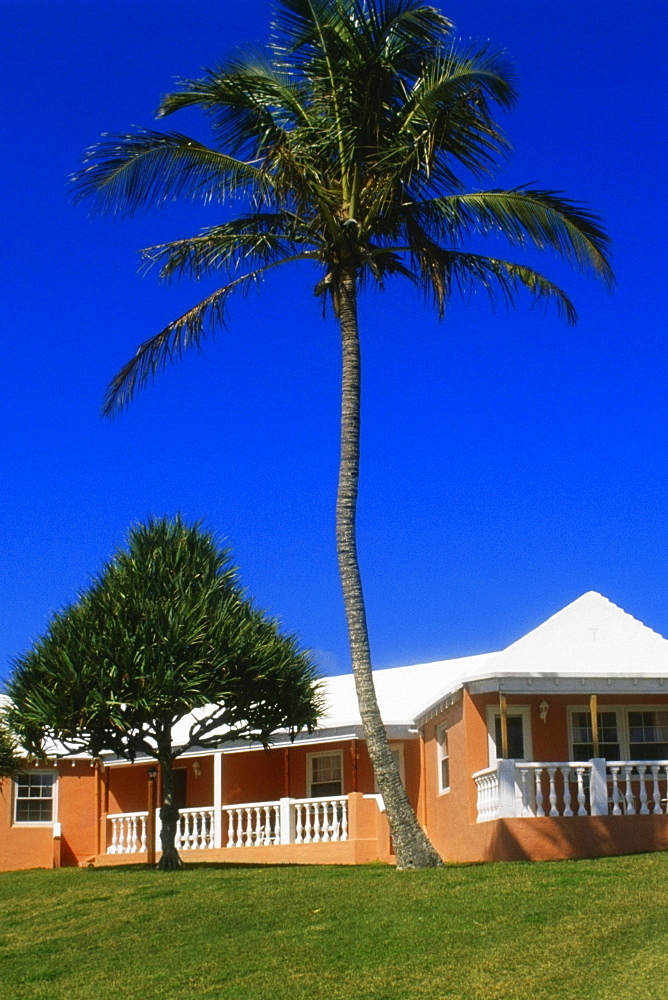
570, 930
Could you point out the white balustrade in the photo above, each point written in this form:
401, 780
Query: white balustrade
541, 788
576, 788
487, 783
288, 821
321, 820
635, 785
128, 833
194, 830
253, 824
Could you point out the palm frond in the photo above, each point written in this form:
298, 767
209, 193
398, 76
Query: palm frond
524, 215
144, 169
250, 103
466, 272
186, 332
258, 239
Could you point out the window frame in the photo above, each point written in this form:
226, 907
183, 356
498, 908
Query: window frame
16, 798
443, 754
310, 758
623, 726
524, 711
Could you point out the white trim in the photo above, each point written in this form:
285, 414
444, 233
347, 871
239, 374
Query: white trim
54, 798
441, 738
623, 730
522, 710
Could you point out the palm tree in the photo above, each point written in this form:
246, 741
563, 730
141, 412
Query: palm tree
347, 144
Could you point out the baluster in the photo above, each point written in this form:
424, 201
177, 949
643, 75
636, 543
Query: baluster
239, 842
552, 770
582, 798
198, 830
344, 820
525, 790
230, 826
335, 829
113, 847
566, 775
656, 791
311, 823
299, 824
642, 770
616, 794
142, 835
122, 835
539, 791
178, 836
324, 822
628, 794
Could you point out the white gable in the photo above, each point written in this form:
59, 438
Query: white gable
590, 638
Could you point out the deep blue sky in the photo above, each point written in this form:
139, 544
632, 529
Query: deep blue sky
510, 463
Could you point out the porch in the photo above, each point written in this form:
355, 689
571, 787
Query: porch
343, 829
597, 787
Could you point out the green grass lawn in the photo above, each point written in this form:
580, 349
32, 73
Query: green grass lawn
582, 930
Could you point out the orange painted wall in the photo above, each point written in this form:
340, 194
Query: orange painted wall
26, 846
76, 811
259, 775
451, 817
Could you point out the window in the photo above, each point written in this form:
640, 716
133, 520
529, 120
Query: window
325, 774
608, 736
518, 718
33, 799
515, 729
443, 760
648, 735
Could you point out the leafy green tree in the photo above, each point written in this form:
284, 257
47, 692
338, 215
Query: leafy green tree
9, 762
348, 143
164, 631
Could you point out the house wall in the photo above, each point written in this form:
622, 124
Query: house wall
451, 817
265, 775
23, 845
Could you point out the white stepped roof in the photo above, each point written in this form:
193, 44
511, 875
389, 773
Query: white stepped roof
402, 692
591, 637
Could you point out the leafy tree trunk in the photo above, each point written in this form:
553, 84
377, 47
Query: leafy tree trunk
169, 817
411, 845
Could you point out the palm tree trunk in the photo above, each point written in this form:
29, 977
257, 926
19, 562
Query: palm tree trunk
169, 817
411, 845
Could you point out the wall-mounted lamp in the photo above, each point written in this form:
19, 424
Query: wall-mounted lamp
543, 709
152, 773
197, 770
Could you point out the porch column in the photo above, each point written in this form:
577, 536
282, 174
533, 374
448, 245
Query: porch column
218, 799
593, 711
504, 725
598, 787
506, 772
